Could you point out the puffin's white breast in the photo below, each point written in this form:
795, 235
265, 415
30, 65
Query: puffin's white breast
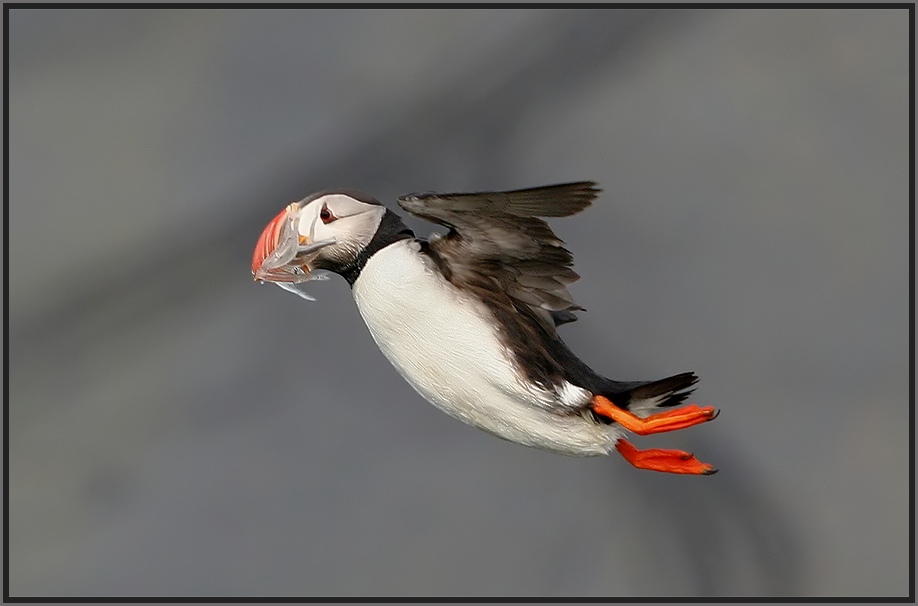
444, 342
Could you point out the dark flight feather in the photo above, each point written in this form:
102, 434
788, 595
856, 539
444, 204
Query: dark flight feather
496, 241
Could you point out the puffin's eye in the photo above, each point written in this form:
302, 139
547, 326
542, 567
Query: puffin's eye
326, 215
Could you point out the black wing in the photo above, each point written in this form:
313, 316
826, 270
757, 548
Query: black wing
497, 243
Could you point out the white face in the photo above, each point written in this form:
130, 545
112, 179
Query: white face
349, 222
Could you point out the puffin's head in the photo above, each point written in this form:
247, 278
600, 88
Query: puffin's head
327, 230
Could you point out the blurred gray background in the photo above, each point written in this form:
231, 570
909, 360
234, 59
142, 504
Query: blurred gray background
176, 429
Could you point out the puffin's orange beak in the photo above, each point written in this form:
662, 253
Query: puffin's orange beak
267, 241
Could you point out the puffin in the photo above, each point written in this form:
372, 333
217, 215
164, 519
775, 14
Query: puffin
470, 318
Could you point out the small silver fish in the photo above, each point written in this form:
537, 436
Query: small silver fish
282, 254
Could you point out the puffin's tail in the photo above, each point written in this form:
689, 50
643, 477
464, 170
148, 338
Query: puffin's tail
645, 396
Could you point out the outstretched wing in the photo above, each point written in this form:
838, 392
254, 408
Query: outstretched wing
497, 243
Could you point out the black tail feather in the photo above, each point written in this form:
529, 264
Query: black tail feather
679, 387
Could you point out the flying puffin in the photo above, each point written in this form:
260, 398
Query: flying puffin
470, 319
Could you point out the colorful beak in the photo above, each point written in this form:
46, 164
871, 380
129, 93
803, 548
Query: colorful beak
282, 254
267, 241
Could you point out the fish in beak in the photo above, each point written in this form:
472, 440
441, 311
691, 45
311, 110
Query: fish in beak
283, 255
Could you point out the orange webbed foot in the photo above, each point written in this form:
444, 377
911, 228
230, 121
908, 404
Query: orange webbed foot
667, 461
671, 420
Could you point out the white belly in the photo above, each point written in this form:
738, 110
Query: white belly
441, 341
